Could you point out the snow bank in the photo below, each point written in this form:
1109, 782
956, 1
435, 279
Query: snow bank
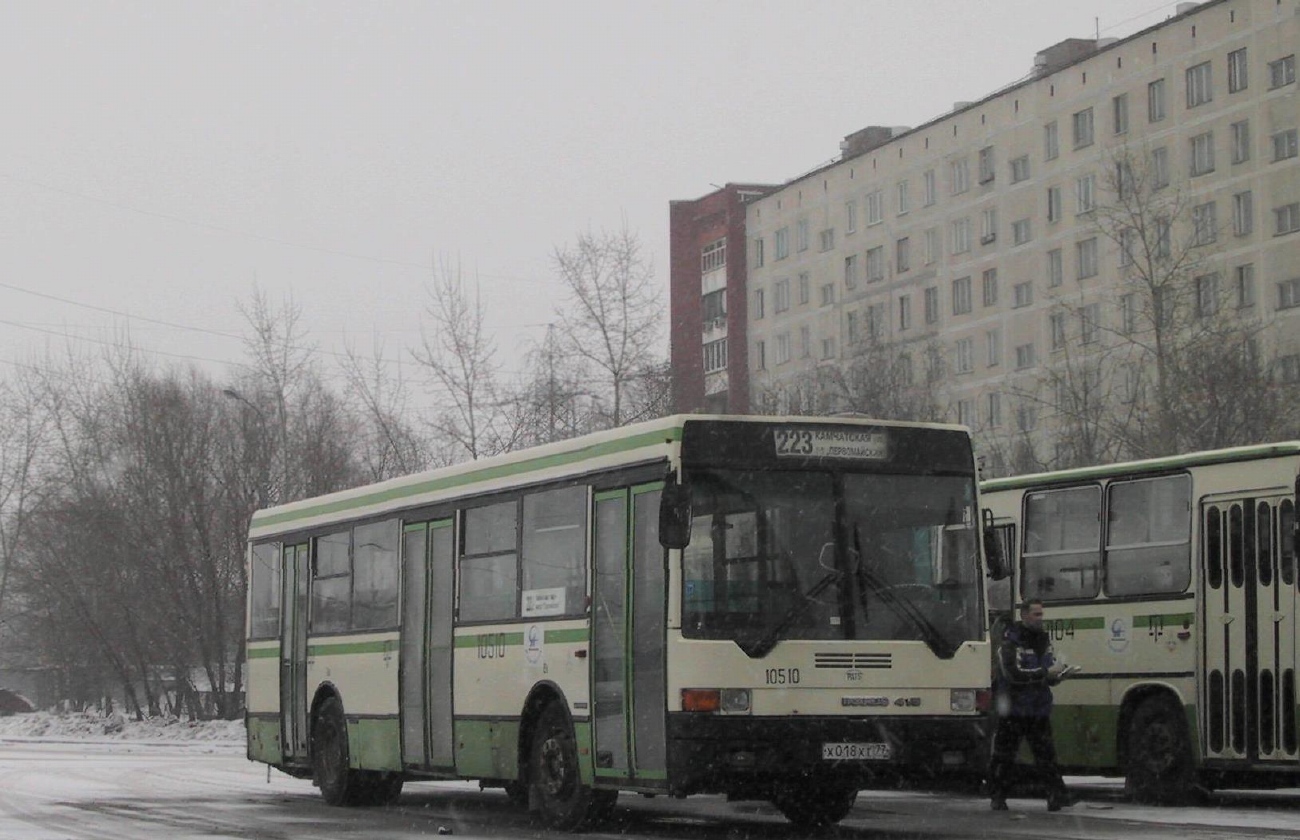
73, 726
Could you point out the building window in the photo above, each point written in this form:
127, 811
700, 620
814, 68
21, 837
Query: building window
1022, 294
1056, 329
714, 306
1119, 113
1024, 356
965, 351
1163, 235
987, 172
990, 287
876, 264
850, 216
1287, 218
966, 412
782, 244
1128, 240
1288, 369
1020, 232
1082, 123
1086, 258
932, 305
1288, 293
713, 256
1159, 168
876, 321
1241, 141
781, 295
851, 328
904, 198
1281, 72
1051, 141
961, 298
1243, 214
1053, 204
1284, 145
993, 343
803, 235
782, 348
827, 239
960, 176
1207, 295
1237, 72
933, 246
1020, 169
903, 254
904, 312
1202, 153
931, 194
961, 236
1199, 89
1090, 323
875, 207
851, 271
805, 284
760, 355
1125, 180
805, 342
715, 355
1128, 313
758, 304
828, 294
1085, 194
988, 226
1245, 283
828, 348
1156, 101
1205, 228
993, 410
758, 252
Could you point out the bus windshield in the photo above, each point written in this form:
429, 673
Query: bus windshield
767, 560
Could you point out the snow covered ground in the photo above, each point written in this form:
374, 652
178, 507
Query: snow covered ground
92, 726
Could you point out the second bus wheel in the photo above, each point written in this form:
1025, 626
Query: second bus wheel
330, 759
554, 778
815, 805
1159, 767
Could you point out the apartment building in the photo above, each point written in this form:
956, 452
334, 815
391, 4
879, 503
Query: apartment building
984, 247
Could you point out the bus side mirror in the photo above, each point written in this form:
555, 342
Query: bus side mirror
993, 553
675, 513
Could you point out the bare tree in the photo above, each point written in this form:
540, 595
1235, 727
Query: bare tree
459, 356
611, 318
388, 444
883, 379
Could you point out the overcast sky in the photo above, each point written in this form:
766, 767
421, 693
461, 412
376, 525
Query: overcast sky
158, 160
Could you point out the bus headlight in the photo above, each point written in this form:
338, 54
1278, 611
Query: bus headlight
962, 700
735, 700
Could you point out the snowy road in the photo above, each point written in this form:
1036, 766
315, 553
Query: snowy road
87, 790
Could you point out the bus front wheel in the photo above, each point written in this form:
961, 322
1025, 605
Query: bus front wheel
339, 784
813, 806
555, 783
1159, 767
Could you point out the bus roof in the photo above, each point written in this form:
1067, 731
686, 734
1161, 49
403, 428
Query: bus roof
625, 445
1149, 465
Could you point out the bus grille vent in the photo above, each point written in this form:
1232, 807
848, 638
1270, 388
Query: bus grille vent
853, 661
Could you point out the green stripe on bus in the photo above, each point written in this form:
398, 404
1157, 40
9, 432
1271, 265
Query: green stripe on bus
1091, 622
1165, 620
342, 648
505, 639
652, 438
264, 652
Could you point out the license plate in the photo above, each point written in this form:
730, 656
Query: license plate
856, 752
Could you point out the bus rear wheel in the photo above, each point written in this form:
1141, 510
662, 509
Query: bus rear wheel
554, 779
330, 759
1158, 767
814, 805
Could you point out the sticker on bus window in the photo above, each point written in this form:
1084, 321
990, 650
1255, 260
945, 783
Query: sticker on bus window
542, 602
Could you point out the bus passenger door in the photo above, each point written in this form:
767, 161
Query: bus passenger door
425, 674
628, 637
1249, 607
293, 652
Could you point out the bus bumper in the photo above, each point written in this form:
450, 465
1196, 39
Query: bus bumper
746, 757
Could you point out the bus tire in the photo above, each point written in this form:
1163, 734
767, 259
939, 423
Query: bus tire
338, 783
815, 805
1158, 766
556, 790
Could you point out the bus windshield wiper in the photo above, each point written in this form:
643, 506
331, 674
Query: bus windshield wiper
763, 645
942, 646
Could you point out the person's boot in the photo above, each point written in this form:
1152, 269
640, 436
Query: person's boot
999, 803
1060, 798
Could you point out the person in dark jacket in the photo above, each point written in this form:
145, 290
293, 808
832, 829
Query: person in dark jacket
1026, 672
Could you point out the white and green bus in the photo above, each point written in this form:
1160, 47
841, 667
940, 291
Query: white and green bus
1172, 583
770, 608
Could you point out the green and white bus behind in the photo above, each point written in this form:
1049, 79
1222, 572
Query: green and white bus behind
1172, 583
777, 608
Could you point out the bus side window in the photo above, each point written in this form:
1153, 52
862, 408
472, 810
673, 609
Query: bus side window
1062, 556
1148, 535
